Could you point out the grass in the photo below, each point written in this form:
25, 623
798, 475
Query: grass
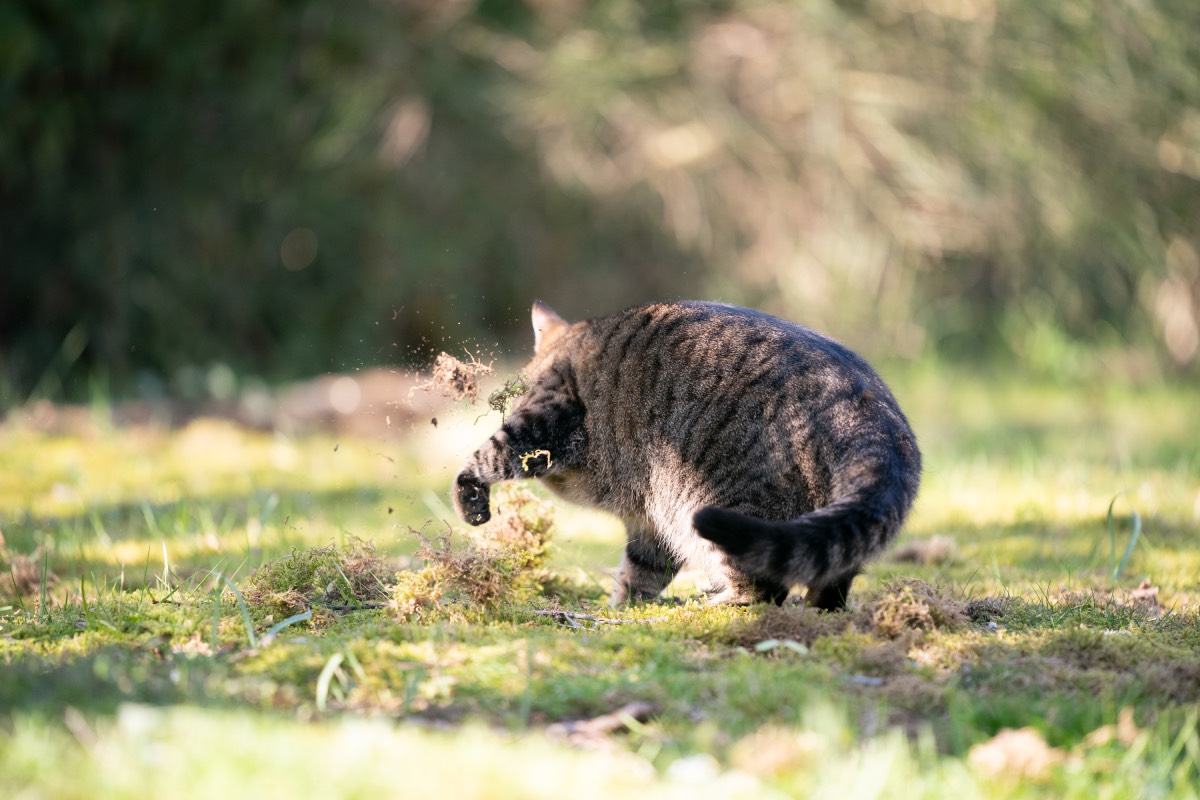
215, 609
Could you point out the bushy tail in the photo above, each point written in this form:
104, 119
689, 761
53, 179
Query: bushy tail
815, 549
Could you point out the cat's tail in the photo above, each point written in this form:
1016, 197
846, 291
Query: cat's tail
818, 549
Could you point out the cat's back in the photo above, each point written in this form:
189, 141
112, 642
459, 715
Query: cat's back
682, 352
709, 377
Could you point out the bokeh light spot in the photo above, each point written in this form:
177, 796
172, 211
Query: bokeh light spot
299, 249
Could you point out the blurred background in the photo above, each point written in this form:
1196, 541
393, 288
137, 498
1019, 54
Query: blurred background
194, 196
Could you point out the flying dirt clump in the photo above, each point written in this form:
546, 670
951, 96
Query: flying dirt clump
459, 380
454, 378
504, 562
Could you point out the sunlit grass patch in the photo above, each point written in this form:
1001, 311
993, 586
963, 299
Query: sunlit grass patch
1035, 620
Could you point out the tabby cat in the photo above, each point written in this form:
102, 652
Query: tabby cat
755, 450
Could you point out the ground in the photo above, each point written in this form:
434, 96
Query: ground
207, 606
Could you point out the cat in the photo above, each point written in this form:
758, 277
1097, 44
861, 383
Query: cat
755, 450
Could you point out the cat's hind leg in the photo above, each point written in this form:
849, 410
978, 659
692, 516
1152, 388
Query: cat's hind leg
831, 596
735, 588
646, 568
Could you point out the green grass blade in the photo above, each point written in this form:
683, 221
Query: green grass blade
355, 665
1117, 567
303, 616
348, 597
1133, 540
269, 506
216, 634
16, 595
166, 576
326, 677
150, 519
241, 601
1112, 536
145, 577
87, 614
42, 588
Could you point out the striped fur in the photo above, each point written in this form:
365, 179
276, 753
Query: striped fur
758, 451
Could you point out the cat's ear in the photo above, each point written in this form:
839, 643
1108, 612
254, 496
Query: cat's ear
546, 325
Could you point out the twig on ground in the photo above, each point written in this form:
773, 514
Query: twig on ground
585, 732
573, 618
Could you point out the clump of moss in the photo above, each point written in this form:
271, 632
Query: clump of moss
513, 387
913, 605
504, 562
987, 609
329, 576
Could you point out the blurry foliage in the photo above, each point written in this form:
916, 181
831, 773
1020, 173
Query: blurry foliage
291, 187
954, 172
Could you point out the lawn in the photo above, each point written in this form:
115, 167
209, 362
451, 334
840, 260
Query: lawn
212, 609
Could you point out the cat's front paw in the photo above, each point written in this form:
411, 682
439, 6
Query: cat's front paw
472, 499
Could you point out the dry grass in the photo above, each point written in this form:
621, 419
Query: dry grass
21, 575
913, 605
